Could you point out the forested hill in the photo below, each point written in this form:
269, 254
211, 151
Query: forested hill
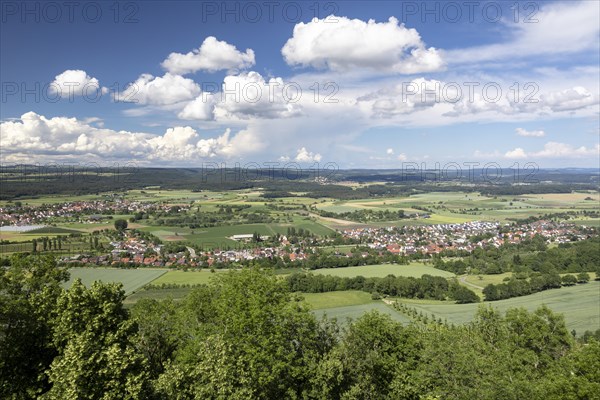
21, 181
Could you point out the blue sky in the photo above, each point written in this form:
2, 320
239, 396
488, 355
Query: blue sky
365, 84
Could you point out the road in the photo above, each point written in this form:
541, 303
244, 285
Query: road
463, 279
192, 252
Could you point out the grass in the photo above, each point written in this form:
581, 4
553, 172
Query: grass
343, 313
319, 301
448, 207
52, 229
579, 304
131, 279
487, 279
381, 270
591, 222
186, 277
216, 237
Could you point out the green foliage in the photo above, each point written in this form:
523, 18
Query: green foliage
245, 335
120, 224
583, 277
29, 289
425, 287
251, 340
96, 357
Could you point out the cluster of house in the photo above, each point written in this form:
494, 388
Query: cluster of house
429, 239
433, 239
136, 251
15, 216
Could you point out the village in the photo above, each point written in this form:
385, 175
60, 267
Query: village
423, 240
17, 214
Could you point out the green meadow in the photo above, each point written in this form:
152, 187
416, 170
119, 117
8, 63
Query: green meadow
381, 270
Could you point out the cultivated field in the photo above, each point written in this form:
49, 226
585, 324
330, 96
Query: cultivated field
579, 304
381, 270
345, 298
458, 207
343, 313
132, 279
187, 277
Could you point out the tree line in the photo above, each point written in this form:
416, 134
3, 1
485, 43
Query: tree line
426, 287
515, 287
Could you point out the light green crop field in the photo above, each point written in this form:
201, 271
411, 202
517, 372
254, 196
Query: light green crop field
591, 222
579, 304
484, 280
343, 313
131, 279
219, 236
187, 277
28, 237
487, 279
457, 207
381, 270
318, 301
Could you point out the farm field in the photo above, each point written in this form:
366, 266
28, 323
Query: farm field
214, 237
458, 207
381, 270
344, 298
476, 284
592, 222
486, 279
187, 277
579, 304
131, 279
343, 313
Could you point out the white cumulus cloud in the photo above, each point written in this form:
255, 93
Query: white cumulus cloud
526, 133
516, 153
556, 150
34, 135
352, 43
213, 55
569, 99
244, 96
564, 150
76, 82
307, 156
165, 90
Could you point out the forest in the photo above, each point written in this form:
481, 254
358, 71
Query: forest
247, 335
26, 181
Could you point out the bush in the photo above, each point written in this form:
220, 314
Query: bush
569, 280
583, 277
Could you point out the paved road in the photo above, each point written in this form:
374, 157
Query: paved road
192, 252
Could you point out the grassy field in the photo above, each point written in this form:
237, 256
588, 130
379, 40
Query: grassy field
381, 270
215, 237
187, 277
595, 222
484, 280
132, 279
319, 301
579, 304
457, 207
343, 313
